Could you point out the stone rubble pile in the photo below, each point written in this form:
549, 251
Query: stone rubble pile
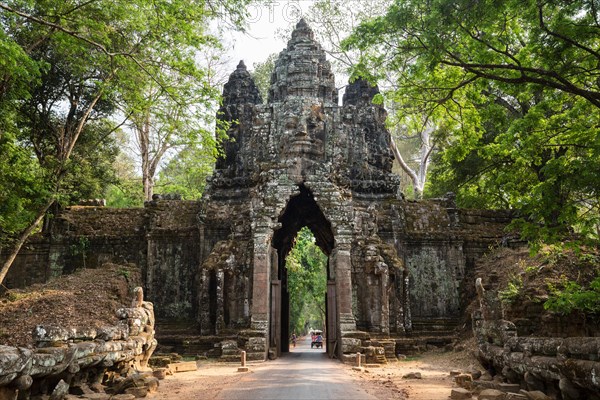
84, 360
529, 367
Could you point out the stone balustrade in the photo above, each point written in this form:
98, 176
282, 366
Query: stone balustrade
87, 356
567, 367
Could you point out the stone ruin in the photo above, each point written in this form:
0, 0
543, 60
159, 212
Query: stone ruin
397, 272
84, 360
564, 368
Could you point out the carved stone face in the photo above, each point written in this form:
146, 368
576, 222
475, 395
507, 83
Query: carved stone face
304, 133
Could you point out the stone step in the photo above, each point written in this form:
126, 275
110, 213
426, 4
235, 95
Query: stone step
432, 325
420, 344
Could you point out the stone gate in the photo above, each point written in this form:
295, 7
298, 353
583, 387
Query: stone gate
396, 268
303, 160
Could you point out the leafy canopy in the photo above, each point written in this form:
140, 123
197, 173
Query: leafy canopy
307, 283
515, 87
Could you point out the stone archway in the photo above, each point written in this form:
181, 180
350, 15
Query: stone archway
396, 267
301, 211
302, 159
299, 160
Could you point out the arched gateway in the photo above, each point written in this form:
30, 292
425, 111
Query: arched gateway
302, 160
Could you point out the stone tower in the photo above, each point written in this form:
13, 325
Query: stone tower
302, 160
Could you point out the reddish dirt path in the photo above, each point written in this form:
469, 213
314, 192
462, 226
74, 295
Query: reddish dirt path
386, 382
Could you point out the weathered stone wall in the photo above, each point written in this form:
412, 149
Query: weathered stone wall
566, 368
79, 357
161, 238
172, 257
31, 265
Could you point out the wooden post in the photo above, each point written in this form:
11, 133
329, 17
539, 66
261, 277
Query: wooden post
358, 359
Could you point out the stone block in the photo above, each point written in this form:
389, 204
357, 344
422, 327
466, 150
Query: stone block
183, 366
491, 394
229, 345
464, 381
509, 387
137, 391
160, 373
537, 395
351, 345
412, 375
255, 356
460, 394
60, 391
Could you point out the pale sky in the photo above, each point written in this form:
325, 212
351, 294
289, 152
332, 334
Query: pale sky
264, 19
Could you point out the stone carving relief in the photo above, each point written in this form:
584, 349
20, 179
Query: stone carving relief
304, 133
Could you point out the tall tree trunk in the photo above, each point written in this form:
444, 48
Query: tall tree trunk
418, 186
58, 175
23, 238
143, 132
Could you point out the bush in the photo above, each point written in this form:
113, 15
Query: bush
574, 298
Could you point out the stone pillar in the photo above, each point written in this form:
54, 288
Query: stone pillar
204, 303
260, 288
341, 257
406, 304
385, 302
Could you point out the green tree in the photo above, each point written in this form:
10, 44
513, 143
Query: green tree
262, 75
514, 85
127, 189
307, 282
186, 173
88, 56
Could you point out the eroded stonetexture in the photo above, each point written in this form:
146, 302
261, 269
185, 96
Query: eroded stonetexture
80, 357
303, 160
568, 367
216, 268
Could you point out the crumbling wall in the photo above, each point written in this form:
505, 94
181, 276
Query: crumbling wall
566, 368
172, 257
161, 238
78, 357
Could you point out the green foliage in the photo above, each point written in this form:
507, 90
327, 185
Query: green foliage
307, 283
572, 297
262, 75
21, 186
125, 194
125, 273
513, 97
81, 248
186, 174
65, 68
512, 291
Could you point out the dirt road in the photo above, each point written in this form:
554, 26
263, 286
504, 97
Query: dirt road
307, 373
